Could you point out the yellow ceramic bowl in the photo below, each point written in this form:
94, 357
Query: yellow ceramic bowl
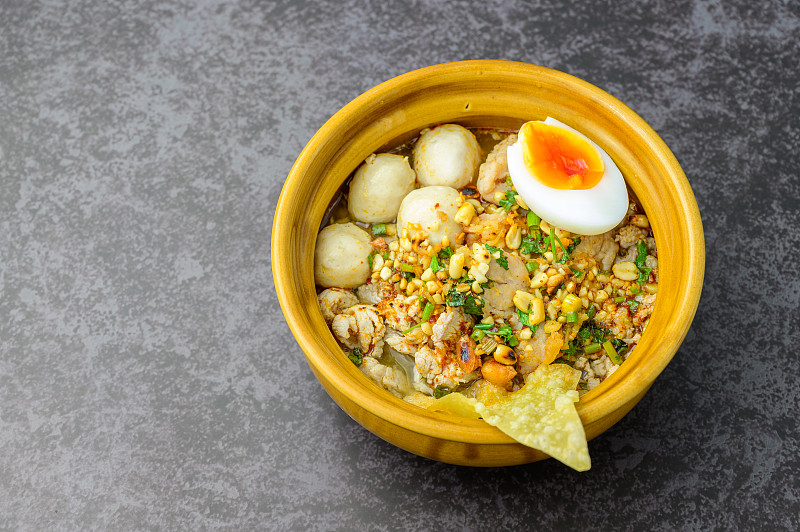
493, 94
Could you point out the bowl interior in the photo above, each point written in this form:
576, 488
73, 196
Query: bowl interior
487, 94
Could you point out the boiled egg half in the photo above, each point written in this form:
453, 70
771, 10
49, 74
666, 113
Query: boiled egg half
567, 179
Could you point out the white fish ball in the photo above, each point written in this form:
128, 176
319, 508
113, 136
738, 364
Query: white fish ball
378, 187
340, 256
447, 155
433, 209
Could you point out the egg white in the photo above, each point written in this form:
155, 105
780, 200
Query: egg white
586, 212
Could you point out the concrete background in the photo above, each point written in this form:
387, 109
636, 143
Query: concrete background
148, 379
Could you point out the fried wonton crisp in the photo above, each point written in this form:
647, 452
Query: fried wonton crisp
541, 414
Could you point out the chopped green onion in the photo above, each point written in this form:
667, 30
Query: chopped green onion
426, 314
531, 266
411, 328
548, 243
487, 345
576, 272
505, 330
571, 303
484, 326
370, 259
591, 348
572, 317
619, 299
355, 356
533, 219
612, 353
565, 255
477, 335
441, 390
409, 268
379, 229
591, 312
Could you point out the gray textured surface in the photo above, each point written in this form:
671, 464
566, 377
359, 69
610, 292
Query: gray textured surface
147, 377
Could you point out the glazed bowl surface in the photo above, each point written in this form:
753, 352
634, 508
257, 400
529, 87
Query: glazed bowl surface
484, 93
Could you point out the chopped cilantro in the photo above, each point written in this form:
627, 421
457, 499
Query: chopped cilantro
571, 349
572, 246
524, 318
641, 257
473, 305
501, 260
532, 243
641, 254
435, 266
633, 305
445, 253
467, 300
370, 259
599, 335
621, 345
576, 272
509, 201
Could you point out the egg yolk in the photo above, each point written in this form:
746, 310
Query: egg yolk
560, 158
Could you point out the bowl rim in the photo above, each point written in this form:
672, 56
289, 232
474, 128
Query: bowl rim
357, 387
